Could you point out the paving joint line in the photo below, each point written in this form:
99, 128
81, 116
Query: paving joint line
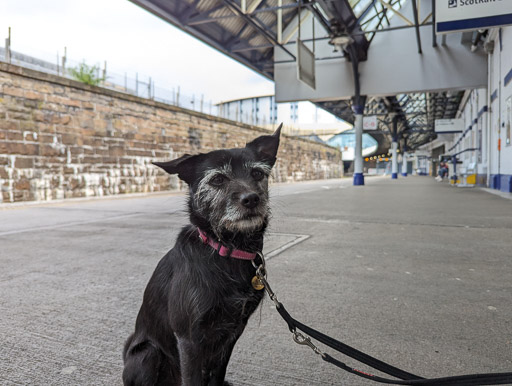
298, 239
346, 222
68, 224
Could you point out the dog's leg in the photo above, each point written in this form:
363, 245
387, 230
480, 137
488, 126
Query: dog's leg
219, 373
190, 362
146, 365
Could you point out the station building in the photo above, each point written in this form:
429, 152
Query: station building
411, 65
483, 144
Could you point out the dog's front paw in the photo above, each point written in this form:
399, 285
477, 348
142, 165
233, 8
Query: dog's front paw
226, 383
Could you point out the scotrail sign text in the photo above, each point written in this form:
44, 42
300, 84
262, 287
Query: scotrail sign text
467, 15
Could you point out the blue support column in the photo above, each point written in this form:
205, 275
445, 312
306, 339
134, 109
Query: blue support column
358, 150
358, 102
404, 163
394, 147
394, 159
454, 176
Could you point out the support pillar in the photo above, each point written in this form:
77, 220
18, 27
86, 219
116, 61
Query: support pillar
404, 163
358, 150
358, 102
394, 159
394, 148
454, 177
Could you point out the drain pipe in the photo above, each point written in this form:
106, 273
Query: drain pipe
489, 120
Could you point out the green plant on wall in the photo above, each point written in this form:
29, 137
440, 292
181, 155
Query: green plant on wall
87, 74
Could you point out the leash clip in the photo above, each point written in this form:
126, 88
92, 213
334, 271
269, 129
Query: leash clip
261, 273
306, 341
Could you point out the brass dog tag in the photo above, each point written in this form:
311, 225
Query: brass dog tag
257, 284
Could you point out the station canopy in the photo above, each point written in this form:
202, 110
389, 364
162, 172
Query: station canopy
260, 33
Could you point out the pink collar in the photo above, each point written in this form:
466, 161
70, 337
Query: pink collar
224, 251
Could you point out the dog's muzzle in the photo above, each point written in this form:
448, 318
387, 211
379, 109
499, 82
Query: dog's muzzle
250, 200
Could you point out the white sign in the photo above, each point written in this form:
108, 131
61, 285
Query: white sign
305, 65
449, 126
467, 15
370, 122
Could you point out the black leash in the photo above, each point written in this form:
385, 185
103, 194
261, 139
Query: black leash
404, 377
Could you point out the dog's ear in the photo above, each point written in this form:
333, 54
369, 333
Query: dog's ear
184, 167
266, 146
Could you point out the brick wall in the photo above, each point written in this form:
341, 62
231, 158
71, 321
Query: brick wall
60, 139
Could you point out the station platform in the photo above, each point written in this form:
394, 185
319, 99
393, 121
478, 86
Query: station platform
411, 271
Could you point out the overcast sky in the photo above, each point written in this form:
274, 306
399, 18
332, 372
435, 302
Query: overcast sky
131, 40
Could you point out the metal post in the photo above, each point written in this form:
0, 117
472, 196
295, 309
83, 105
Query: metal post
64, 60
280, 21
358, 103
394, 148
8, 47
417, 26
137, 83
394, 159
434, 37
454, 176
489, 118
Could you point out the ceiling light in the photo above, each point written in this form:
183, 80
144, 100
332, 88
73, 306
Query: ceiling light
341, 41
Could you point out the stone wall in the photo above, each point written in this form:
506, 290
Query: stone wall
60, 139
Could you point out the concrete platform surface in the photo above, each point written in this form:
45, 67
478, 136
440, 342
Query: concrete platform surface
414, 272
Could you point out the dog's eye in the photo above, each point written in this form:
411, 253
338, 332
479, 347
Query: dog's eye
257, 174
218, 180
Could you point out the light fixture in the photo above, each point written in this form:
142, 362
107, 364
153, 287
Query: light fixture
341, 41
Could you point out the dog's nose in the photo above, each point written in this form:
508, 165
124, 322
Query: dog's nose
249, 200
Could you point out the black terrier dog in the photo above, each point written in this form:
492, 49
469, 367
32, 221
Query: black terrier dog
200, 297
